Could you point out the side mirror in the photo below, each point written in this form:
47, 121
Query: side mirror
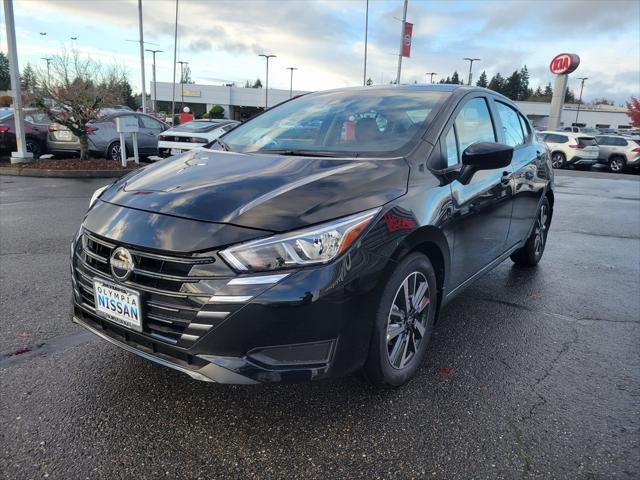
484, 156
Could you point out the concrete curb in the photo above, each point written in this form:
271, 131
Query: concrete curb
41, 172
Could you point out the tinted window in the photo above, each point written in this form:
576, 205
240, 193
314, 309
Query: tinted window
555, 138
602, 140
586, 141
473, 124
147, 122
453, 156
348, 121
511, 126
620, 142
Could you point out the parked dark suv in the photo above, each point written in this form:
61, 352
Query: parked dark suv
288, 257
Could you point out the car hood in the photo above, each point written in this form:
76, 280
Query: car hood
267, 192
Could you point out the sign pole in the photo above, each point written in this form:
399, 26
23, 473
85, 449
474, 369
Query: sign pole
400, 53
21, 155
561, 66
123, 150
135, 147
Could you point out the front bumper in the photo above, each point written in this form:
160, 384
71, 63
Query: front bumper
314, 323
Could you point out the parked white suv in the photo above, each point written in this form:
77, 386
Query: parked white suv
192, 135
568, 148
618, 152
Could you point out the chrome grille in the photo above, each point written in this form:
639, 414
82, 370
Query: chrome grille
166, 285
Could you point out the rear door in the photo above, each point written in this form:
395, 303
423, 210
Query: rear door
150, 129
528, 159
482, 207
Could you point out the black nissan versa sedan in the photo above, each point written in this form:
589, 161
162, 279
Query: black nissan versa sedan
319, 238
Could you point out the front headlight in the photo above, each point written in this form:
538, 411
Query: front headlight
310, 246
97, 194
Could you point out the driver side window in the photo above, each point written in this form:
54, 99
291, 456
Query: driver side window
473, 124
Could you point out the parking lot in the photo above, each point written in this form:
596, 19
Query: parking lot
531, 373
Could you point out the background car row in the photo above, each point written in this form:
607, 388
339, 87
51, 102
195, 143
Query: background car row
42, 136
581, 150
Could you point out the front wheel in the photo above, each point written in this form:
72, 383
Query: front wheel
531, 253
617, 165
558, 160
403, 324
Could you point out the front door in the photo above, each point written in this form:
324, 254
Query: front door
482, 207
150, 129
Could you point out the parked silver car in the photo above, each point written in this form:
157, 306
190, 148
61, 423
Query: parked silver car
104, 141
618, 152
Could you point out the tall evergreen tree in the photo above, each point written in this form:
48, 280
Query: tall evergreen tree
569, 96
497, 83
455, 79
525, 91
5, 79
482, 80
548, 91
28, 79
257, 84
512, 86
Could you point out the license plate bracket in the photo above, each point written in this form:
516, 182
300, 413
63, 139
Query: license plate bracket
118, 304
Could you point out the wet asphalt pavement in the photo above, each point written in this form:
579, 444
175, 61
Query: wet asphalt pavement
530, 374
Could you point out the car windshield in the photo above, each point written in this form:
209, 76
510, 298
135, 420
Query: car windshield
375, 121
5, 116
197, 126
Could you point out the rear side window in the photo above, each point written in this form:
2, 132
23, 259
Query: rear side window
620, 142
511, 126
555, 138
473, 124
586, 141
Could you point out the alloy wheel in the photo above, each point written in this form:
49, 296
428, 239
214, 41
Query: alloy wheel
540, 232
407, 320
557, 160
115, 152
616, 165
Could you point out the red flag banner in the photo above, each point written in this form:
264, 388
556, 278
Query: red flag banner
406, 39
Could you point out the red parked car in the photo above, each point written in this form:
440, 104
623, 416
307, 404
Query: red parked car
36, 129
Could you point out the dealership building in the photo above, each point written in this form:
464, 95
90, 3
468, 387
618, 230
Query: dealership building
240, 103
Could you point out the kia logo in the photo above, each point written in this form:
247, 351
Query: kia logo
564, 63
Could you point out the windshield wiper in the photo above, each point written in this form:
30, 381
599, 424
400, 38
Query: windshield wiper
307, 153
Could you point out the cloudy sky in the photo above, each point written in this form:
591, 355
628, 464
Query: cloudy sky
324, 39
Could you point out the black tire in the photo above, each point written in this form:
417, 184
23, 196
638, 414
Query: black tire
531, 253
617, 164
411, 333
558, 160
33, 146
113, 152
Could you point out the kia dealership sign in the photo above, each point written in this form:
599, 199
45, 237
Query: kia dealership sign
564, 63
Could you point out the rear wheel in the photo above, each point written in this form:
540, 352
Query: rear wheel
114, 152
558, 160
33, 146
403, 324
531, 253
617, 164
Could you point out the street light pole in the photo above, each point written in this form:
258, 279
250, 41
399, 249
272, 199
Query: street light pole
175, 44
291, 82
404, 21
48, 60
155, 90
20, 155
582, 79
144, 87
182, 64
471, 60
431, 74
366, 34
266, 84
